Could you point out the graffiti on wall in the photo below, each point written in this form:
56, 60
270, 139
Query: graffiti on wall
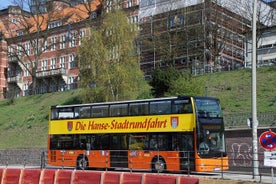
241, 154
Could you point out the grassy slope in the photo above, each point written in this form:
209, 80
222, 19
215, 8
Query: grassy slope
234, 90
24, 124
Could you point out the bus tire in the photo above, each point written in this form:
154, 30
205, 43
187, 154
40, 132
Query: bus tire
158, 165
82, 162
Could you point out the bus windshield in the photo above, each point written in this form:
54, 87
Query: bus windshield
212, 144
210, 137
207, 107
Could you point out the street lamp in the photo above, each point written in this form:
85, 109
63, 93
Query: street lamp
254, 106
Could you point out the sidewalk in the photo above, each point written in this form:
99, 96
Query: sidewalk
240, 177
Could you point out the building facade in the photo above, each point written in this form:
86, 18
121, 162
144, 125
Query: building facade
42, 57
200, 36
266, 48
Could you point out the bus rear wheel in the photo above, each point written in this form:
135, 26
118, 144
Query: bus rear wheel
158, 165
82, 162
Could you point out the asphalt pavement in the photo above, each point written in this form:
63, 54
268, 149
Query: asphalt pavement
240, 177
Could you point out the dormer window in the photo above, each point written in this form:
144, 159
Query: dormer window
19, 32
93, 15
54, 24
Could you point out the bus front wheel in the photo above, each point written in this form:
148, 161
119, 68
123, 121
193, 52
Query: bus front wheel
158, 165
82, 162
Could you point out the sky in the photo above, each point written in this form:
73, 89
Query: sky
5, 3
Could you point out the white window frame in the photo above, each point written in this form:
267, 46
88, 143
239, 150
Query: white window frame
62, 61
44, 63
53, 63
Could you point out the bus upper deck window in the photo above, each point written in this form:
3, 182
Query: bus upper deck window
100, 111
54, 113
118, 110
65, 113
182, 106
140, 108
85, 112
160, 107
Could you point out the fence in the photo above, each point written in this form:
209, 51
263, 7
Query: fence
240, 161
239, 120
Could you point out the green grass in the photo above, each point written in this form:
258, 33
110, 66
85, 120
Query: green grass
24, 124
234, 89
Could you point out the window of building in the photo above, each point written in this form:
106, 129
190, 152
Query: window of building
129, 4
72, 42
62, 44
93, 15
109, 5
44, 65
25, 88
19, 50
72, 61
54, 24
19, 32
62, 60
71, 82
53, 43
26, 72
10, 50
53, 63
36, 46
45, 46
28, 48
82, 35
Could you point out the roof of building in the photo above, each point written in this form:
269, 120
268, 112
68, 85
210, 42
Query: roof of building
33, 23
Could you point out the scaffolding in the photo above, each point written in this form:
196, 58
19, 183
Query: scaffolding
202, 36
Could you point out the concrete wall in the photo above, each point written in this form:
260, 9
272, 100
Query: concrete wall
239, 148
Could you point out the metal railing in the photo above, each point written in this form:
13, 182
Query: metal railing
239, 162
239, 120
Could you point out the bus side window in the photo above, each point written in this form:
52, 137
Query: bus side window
178, 108
187, 108
76, 112
160, 107
100, 111
54, 114
85, 112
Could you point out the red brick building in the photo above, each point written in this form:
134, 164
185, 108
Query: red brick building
46, 52
39, 52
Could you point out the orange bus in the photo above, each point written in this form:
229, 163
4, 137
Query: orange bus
162, 134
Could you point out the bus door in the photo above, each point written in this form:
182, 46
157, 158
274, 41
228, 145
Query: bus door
118, 151
186, 148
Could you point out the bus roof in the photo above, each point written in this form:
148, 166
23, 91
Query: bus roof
133, 101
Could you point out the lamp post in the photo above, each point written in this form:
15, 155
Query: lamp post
254, 106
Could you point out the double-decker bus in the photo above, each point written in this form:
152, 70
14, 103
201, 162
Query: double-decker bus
162, 134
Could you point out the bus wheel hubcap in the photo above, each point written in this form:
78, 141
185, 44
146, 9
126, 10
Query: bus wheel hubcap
159, 166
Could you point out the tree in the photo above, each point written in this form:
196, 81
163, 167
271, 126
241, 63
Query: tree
186, 85
162, 80
109, 63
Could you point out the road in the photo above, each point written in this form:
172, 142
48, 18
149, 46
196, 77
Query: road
234, 177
